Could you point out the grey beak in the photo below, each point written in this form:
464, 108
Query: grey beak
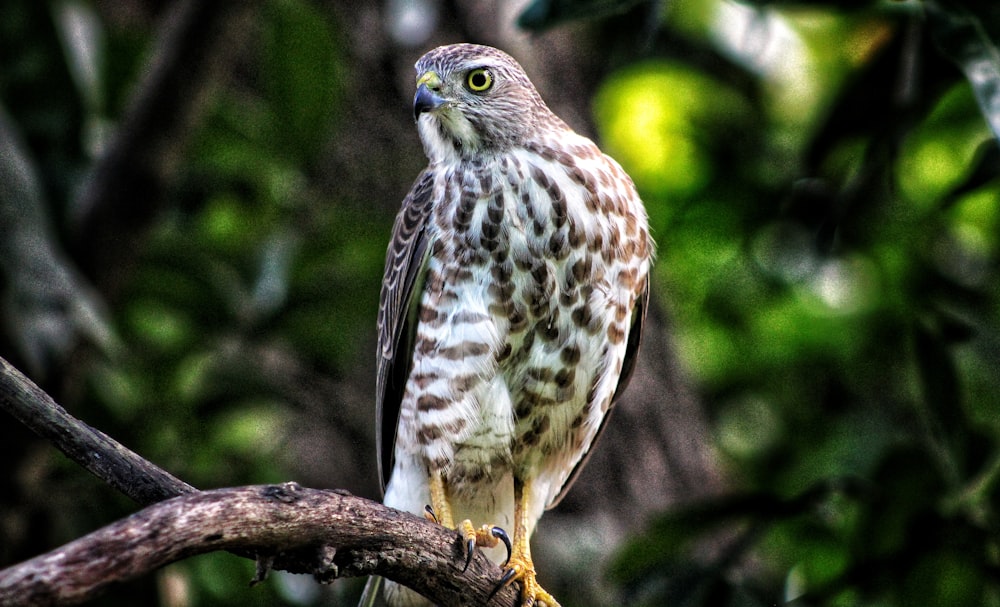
425, 100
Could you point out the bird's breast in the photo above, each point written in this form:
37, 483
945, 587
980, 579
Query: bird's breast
523, 315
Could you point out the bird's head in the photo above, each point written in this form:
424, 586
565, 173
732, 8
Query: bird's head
474, 99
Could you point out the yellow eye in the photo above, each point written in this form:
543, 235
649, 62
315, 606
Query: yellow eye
479, 80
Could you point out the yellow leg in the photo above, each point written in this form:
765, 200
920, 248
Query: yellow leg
439, 501
520, 567
486, 536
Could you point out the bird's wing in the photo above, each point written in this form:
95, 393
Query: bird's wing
405, 266
628, 366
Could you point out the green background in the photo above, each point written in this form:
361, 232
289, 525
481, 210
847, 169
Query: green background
822, 180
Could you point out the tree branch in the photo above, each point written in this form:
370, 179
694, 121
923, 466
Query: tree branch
328, 534
103, 456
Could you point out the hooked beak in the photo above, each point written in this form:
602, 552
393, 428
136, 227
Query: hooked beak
427, 97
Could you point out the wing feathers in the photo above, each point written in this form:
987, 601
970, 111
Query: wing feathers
628, 366
405, 264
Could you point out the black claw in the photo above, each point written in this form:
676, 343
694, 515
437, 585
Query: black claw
504, 580
471, 548
501, 535
430, 510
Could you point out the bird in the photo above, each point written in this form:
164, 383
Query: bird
515, 288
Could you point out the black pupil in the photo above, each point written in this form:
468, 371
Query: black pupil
478, 80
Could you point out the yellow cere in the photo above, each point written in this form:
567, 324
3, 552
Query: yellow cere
431, 79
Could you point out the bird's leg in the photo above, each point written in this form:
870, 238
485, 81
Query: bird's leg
519, 565
439, 510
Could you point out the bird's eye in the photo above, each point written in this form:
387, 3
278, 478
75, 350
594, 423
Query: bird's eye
479, 80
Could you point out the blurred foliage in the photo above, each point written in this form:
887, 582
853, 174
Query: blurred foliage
828, 242
824, 191
250, 257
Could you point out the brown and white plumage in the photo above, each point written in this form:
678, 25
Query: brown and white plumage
514, 294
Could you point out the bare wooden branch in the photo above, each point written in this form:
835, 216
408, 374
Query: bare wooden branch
328, 534
102, 455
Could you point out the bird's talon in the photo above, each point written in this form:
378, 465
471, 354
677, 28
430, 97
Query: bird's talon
508, 576
522, 570
470, 546
429, 514
501, 535
505, 579
486, 537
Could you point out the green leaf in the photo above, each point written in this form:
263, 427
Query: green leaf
985, 170
970, 40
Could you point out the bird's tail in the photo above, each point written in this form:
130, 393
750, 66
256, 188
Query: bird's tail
372, 591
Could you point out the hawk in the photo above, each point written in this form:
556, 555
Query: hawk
515, 288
